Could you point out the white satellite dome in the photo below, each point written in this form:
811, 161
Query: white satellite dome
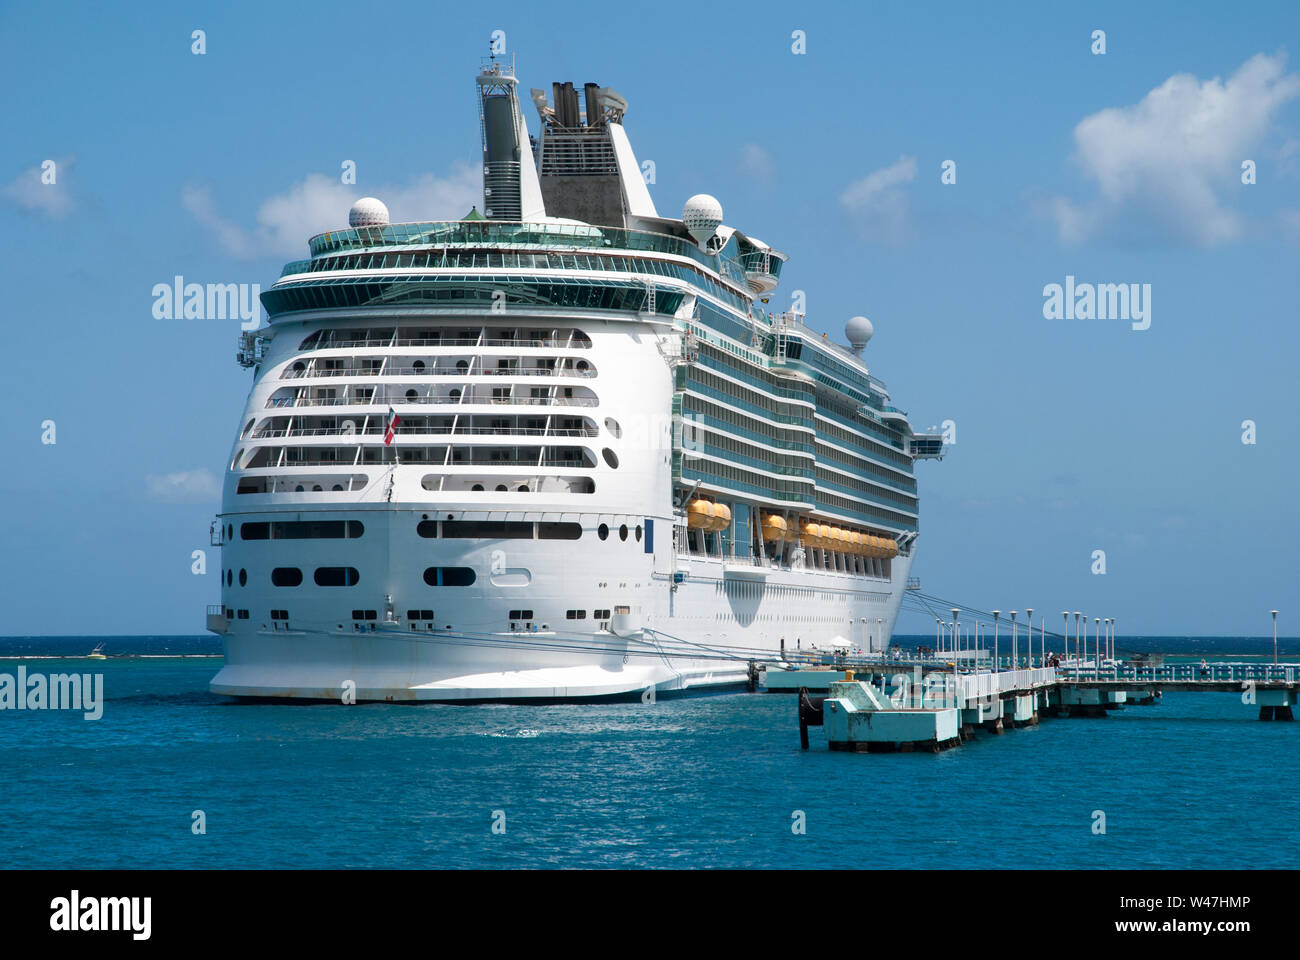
702, 214
368, 212
858, 331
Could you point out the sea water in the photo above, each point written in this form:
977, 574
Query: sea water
174, 776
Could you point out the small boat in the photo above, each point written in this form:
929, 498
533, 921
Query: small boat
1147, 659
97, 653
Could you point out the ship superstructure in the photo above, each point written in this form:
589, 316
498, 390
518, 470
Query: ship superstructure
558, 449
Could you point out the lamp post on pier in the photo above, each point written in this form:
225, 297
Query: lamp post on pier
1013, 640
1274, 612
956, 631
1096, 673
1029, 637
996, 614
1066, 635
1078, 651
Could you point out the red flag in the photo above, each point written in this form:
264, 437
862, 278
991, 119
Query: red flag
390, 428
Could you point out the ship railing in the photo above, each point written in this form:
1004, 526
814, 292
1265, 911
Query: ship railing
434, 371
1229, 672
550, 343
400, 401
408, 430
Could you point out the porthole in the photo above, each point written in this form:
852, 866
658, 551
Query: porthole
610, 457
454, 394
337, 487
603, 531
523, 488
613, 427
243, 578
622, 532
229, 579
638, 533
418, 365
230, 532
477, 487
298, 488
299, 367
410, 394
316, 488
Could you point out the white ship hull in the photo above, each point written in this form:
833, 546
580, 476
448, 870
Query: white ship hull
700, 635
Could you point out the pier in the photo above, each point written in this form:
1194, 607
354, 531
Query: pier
906, 705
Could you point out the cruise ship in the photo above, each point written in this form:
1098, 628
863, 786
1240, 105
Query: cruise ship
558, 449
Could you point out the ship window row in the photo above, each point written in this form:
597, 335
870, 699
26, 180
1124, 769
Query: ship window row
514, 235
738, 451
731, 392
498, 530
449, 456
302, 530
859, 464
468, 365
461, 483
456, 425
736, 327
297, 483
742, 481
865, 512
446, 336
486, 260
486, 291
848, 416
867, 445
697, 410
323, 577
439, 393
839, 370
596, 614
755, 355
755, 376
852, 486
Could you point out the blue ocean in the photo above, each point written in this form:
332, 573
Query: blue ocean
719, 781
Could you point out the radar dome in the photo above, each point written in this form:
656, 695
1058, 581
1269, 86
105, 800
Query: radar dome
858, 331
368, 212
702, 214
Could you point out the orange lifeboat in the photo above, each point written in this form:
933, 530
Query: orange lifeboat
721, 517
699, 515
773, 526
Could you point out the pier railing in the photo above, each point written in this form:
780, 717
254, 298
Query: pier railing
1210, 673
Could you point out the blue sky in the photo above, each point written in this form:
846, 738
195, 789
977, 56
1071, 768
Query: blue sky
1072, 435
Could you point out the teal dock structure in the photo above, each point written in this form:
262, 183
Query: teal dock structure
877, 707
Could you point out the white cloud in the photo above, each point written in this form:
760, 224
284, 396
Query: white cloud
756, 163
1175, 156
879, 201
52, 200
287, 220
187, 486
